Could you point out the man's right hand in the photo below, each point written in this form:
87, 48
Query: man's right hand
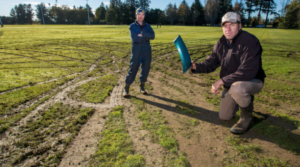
193, 66
140, 35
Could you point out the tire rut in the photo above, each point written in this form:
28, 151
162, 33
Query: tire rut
152, 152
85, 143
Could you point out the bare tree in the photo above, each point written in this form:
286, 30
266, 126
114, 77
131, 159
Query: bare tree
250, 4
237, 7
171, 13
259, 7
270, 8
212, 8
183, 11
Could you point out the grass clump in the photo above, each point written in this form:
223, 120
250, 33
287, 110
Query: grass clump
115, 147
161, 133
95, 91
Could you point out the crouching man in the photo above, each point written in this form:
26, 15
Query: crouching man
239, 55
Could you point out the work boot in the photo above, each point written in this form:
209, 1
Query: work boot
142, 88
245, 120
126, 91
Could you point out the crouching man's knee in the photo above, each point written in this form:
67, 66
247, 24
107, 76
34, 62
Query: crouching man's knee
239, 94
225, 118
226, 115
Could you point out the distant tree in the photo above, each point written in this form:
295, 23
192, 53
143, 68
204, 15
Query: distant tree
7, 20
237, 7
225, 6
170, 12
59, 15
155, 16
211, 11
111, 13
144, 3
250, 4
131, 7
45, 12
22, 14
270, 8
298, 16
291, 19
183, 11
13, 14
90, 10
198, 12
100, 13
260, 6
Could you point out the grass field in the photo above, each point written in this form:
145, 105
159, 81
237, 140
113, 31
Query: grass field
42, 111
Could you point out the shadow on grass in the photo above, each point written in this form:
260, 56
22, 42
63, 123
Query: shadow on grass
266, 129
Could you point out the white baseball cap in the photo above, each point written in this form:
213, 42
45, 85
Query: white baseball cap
231, 17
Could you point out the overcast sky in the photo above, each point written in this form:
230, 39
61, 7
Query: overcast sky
6, 5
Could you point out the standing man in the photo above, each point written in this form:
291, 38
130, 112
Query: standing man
239, 55
140, 33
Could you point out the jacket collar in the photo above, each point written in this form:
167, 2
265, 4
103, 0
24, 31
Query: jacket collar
143, 25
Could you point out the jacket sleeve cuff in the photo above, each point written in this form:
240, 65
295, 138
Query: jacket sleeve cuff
226, 84
198, 69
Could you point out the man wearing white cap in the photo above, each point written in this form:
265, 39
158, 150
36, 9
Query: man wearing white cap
239, 55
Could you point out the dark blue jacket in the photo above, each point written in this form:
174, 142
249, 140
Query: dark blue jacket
147, 33
141, 45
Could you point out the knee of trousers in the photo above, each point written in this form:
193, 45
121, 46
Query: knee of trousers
227, 113
225, 117
239, 94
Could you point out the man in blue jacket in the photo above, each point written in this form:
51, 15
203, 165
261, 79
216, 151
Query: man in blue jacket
140, 33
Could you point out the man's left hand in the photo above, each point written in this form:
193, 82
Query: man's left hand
140, 35
216, 86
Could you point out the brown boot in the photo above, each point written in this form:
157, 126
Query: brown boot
245, 120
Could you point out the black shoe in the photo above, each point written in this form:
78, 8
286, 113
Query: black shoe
142, 88
126, 91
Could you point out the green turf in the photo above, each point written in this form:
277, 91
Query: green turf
31, 54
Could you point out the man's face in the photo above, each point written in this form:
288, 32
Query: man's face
230, 30
140, 17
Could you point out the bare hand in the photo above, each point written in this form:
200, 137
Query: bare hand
140, 35
193, 66
216, 86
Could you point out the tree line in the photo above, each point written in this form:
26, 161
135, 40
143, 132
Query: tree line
123, 12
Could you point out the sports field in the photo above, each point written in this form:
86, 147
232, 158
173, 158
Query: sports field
61, 104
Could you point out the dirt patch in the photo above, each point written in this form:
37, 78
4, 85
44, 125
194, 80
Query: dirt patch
85, 143
143, 145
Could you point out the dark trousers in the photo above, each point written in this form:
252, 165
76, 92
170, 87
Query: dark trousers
239, 95
137, 60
